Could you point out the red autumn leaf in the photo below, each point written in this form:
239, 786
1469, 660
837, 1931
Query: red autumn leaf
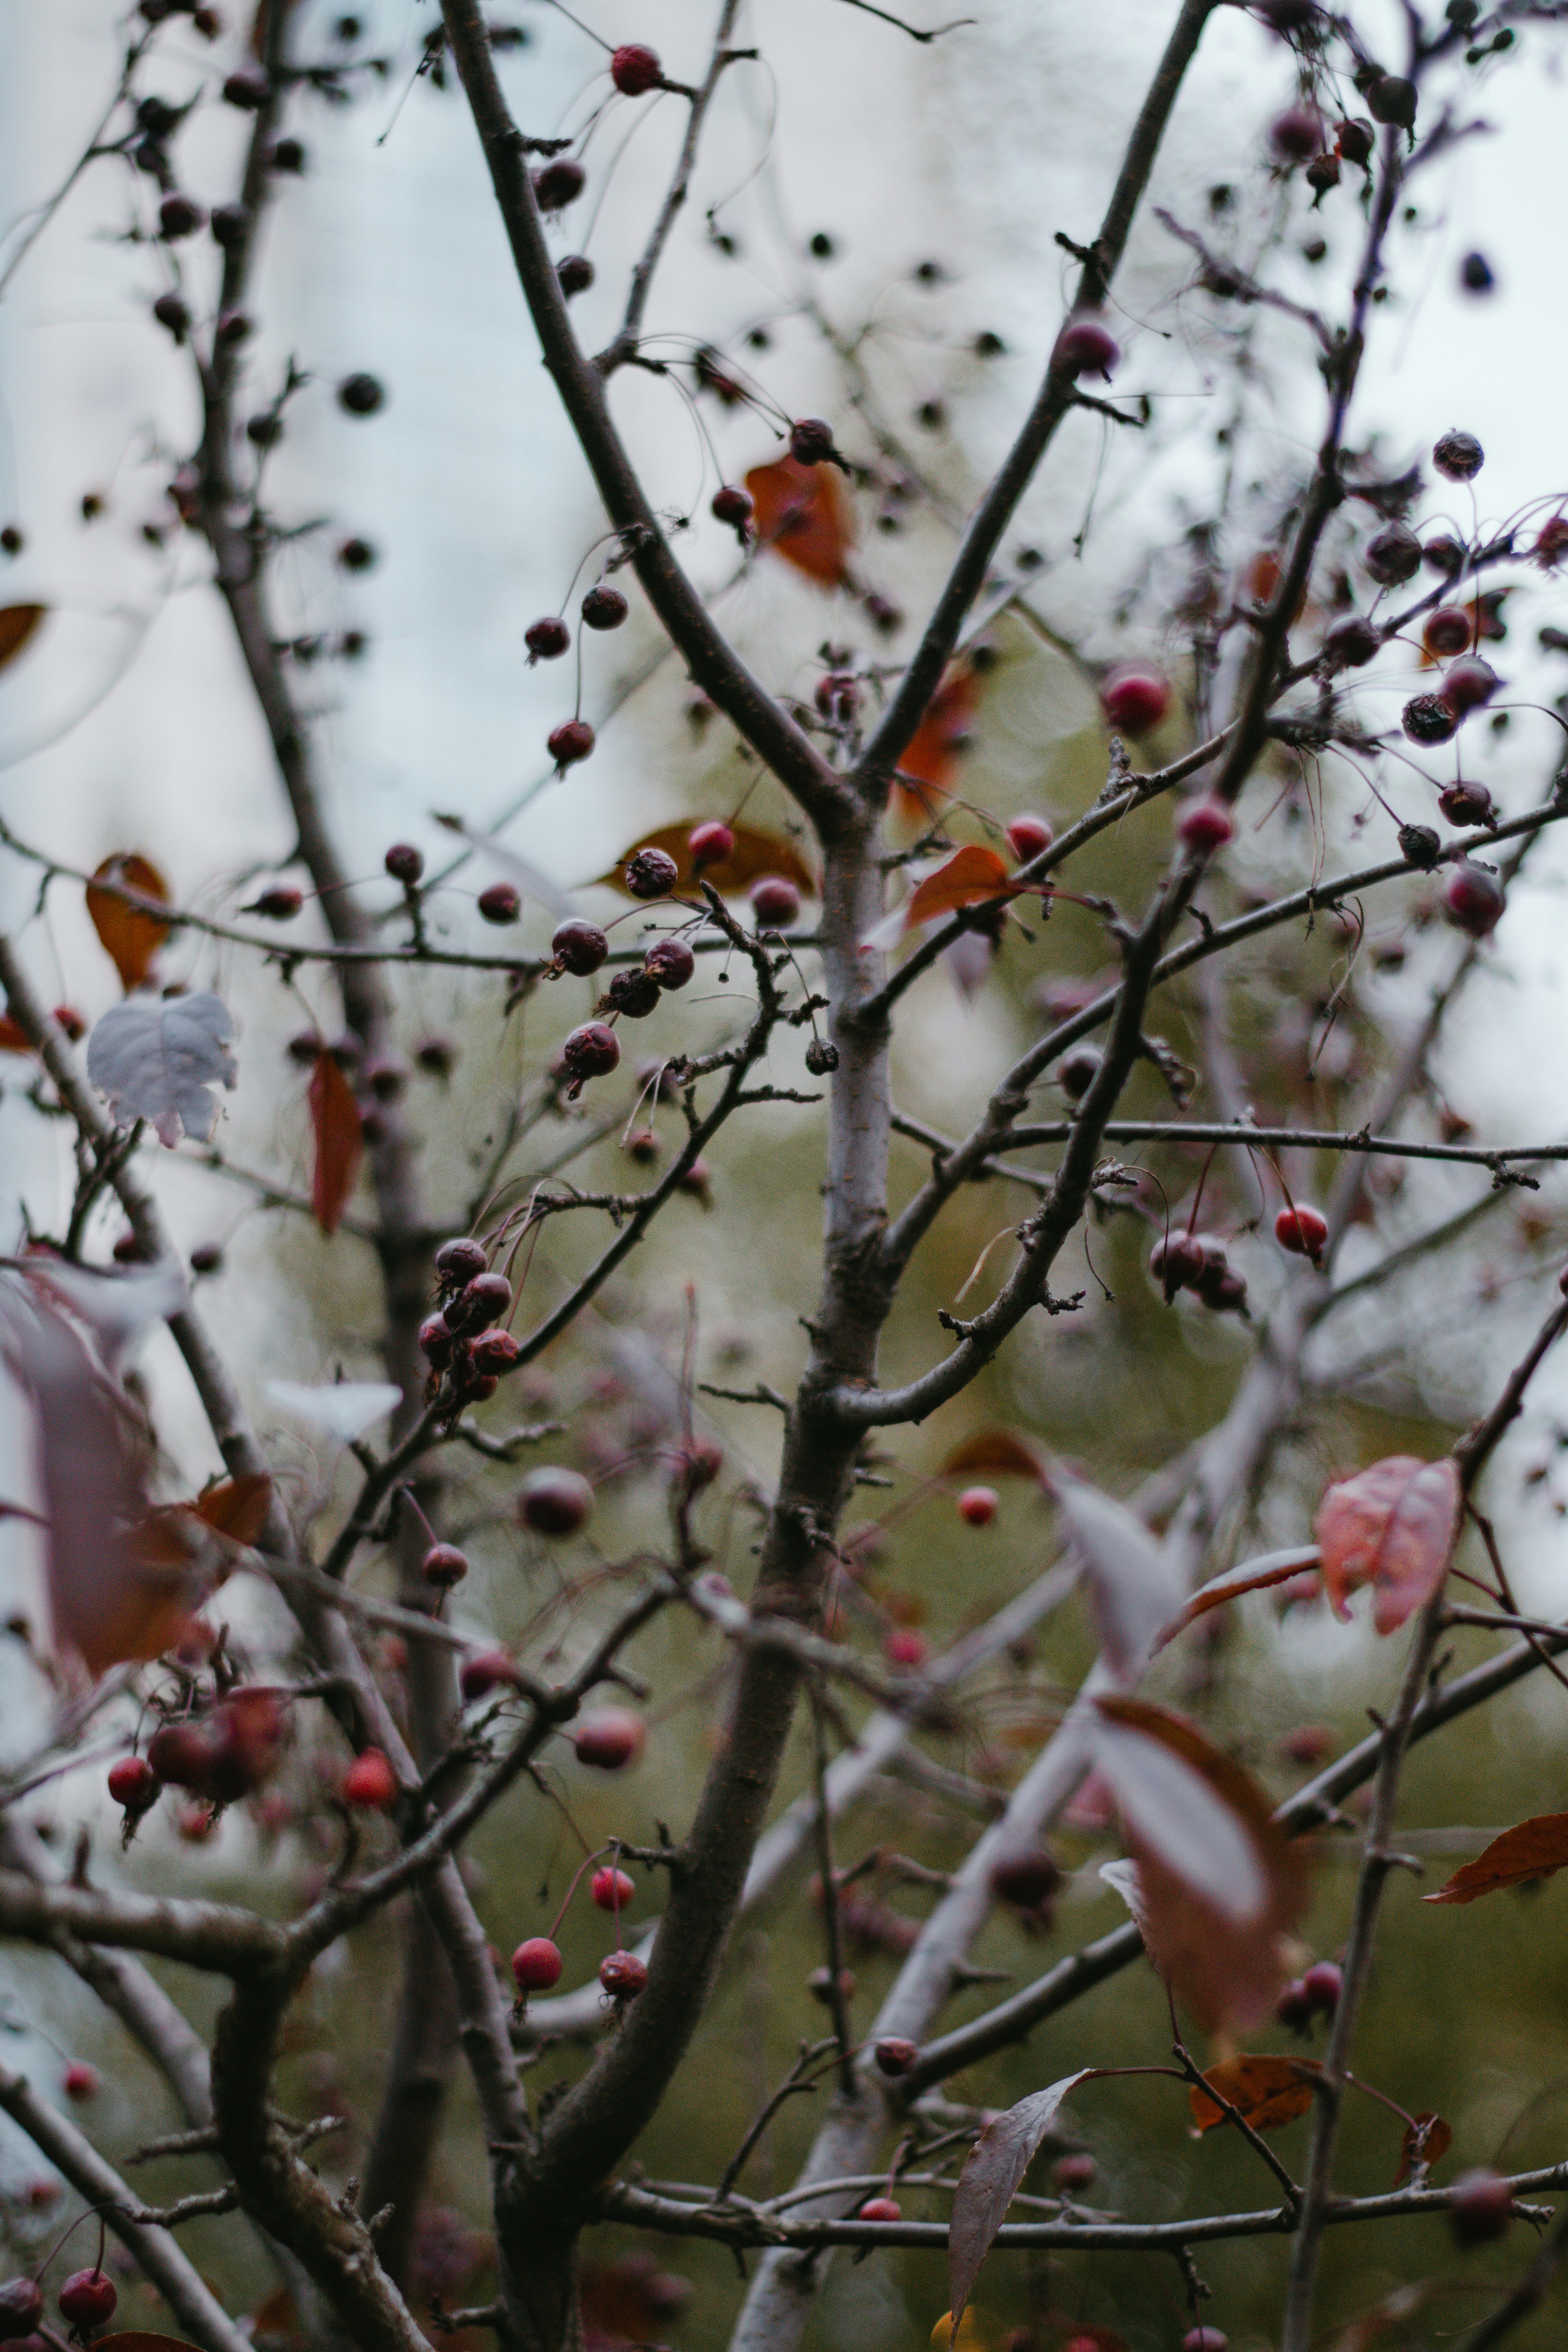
17, 623
340, 1141
1530, 1849
13, 1039
967, 878
992, 2174
1219, 1885
1251, 1576
237, 1507
1392, 1526
756, 853
1427, 2139
131, 936
804, 514
930, 759
1000, 1451
1265, 2092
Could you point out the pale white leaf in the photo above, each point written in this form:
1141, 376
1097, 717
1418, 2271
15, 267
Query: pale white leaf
1175, 1812
989, 2181
347, 1408
1134, 1588
158, 1059
530, 879
1122, 1877
117, 1309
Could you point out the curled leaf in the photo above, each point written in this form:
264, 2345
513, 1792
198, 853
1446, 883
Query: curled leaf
803, 514
132, 935
1134, 1589
1530, 1851
1393, 1527
1251, 1576
756, 853
1265, 2092
17, 625
1427, 2138
237, 1507
1004, 1452
340, 1141
992, 2172
159, 1058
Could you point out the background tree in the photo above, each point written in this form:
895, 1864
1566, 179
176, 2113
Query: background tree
527, 1601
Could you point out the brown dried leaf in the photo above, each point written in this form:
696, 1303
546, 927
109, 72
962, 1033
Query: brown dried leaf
1393, 1527
756, 853
1427, 2138
1530, 1849
992, 2172
1251, 1576
804, 514
17, 624
1265, 2092
237, 1507
1003, 1452
131, 936
967, 878
340, 1143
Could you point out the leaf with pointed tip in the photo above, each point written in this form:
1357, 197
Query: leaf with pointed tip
992, 2172
1251, 1576
347, 1408
159, 1058
340, 1143
1428, 2139
1134, 1589
132, 935
1391, 1525
804, 515
1530, 1849
17, 625
968, 878
1265, 2092
1004, 1452
929, 762
755, 854
237, 1507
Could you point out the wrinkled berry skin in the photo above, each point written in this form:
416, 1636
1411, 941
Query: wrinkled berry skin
634, 995
591, 1052
652, 873
1459, 455
1393, 555
895, 2055
671, 962
1426, 718
811, 440
623, 1975
635, 70
1351, 642
776, 902
579, 947
459, 1262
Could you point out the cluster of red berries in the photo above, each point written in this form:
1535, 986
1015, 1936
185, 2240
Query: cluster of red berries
457, 1341
220, 1755
1198, 1262
87, 2301
1315, 1994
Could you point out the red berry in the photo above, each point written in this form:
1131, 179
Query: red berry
1355, 140
881, 2209
623, 1975
1205, 826
1473, 899
248, 86
21, 2308
177, 217
732, 505
546, 640
709, 843
811, 441
1029, 836
133, 1783
1466, 804
579, 947
575, 274
1204, 2339
612, 1889
87, 2299
1176, 1264
478, 1303
554, 1502
895, 2055
906, 1647
494, 1352
1393, 555
671, 962
1293, 2007
651, 873
1468, 684
776, 902
459, 1262
1296, 134
635, 70
590, 1052
1028, 1881
1447, 632
570, 741
977, 1506
609, 1738
1134, 701
1351, 642
499, 902
1077, 1071
1482, 2207
603, 608
1075, 2171
442, 1566
80, 2081
536, 1965
371, 1781
1086, 346
1322, 1984
1301, 1230
486, 1671
1427, 719
405, 863
361, 395
559, 185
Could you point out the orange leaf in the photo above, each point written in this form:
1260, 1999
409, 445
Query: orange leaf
1427, 2139
17, 623
1264, 2092
131, 936
1000, 1451
804, 515
756, 853
13, 1039
931, 755
967, 878
340, 1140
1530, 1849
237, 1507
1393, 1527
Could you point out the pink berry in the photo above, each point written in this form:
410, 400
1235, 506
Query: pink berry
486, 1671
1086, 346
570, 741
623, 1975
500, 902
1204, 826
776, 902
1134, 701
895, 2055
651, 873
905, 1647
609, 1738
1447, 632
80, 2081
370, 1781
87, 2299
977, 1506
1204, 2339
579, 947
635, 70
591, 1052
546, 639
612, 1889
442, 1566
1074, 2170
1473, 900
709, 843
1322, 1984
133, 1783
536, 1965
1302, 1231
1482, 2207
1468, 684
881, 2209
21, 2308
1029, 836
555, 1502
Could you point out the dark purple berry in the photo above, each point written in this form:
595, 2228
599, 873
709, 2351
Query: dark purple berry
652, 873
603, 608
546, 639
361, 395
579, 947
671, 962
